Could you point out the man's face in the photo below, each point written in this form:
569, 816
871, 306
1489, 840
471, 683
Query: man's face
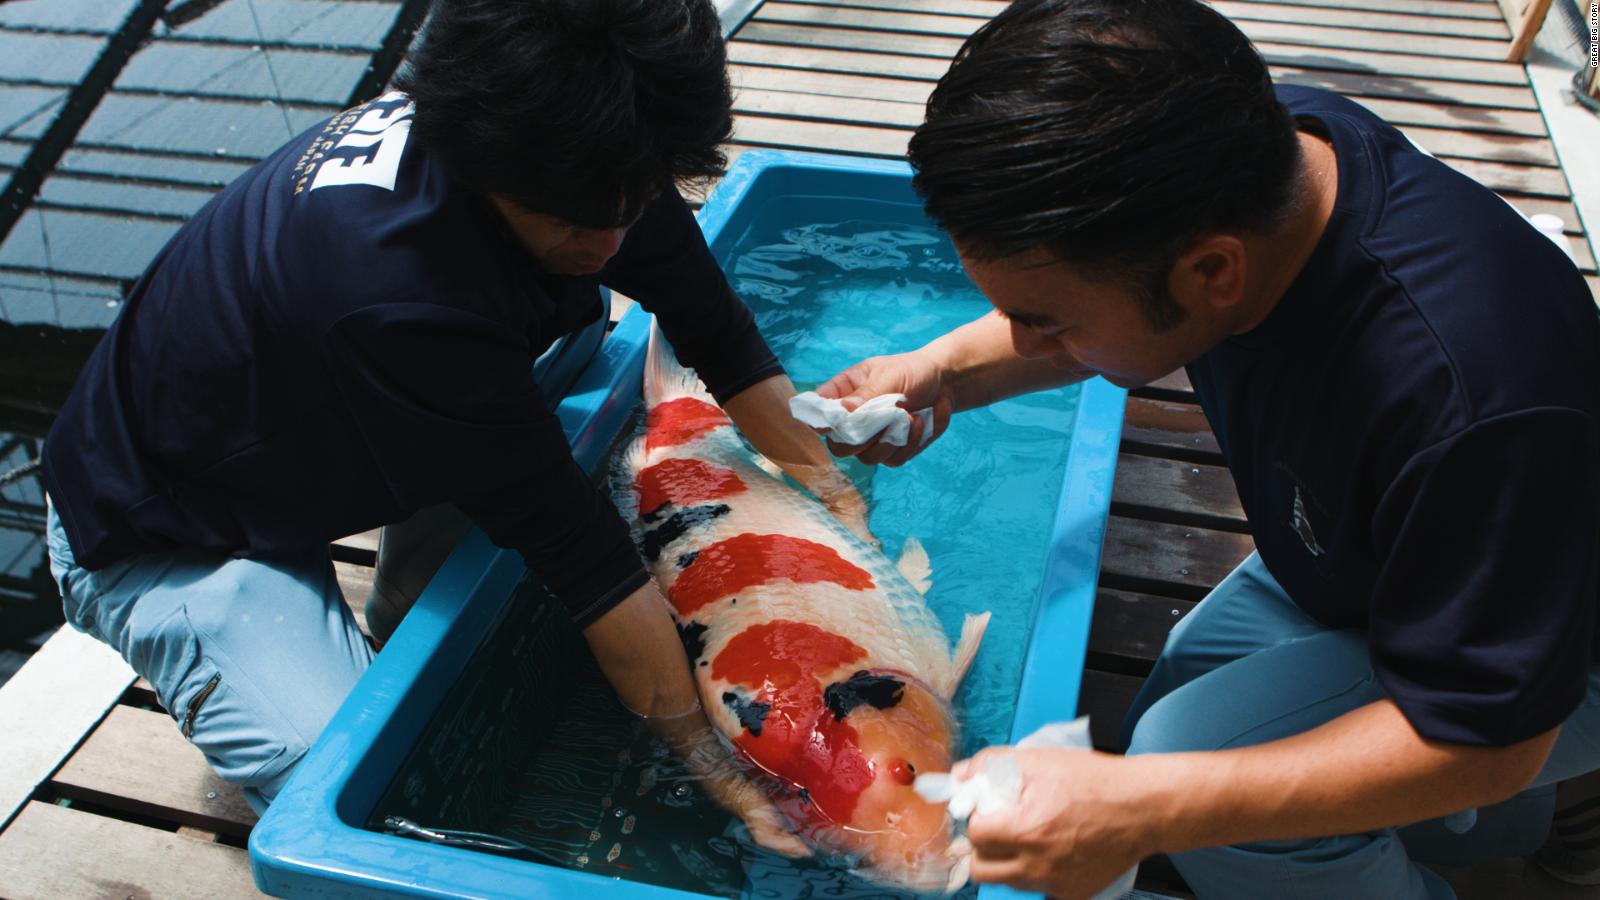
1088, 327
560, 247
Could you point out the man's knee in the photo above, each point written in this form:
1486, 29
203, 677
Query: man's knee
1168, 726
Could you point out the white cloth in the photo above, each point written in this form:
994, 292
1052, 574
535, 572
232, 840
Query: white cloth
998, 786
881, 416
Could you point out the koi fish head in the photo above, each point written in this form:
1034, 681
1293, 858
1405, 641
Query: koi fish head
851, 761
901, 838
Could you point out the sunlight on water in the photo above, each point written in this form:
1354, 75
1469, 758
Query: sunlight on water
981, 499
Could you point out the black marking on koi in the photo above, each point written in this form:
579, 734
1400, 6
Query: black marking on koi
656, 539
693, 636
805, 796
752, 713
685, 560
879, 691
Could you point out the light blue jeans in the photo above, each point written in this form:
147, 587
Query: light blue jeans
251, 658
1247, 666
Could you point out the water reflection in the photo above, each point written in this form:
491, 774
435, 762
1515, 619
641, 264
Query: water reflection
38, 362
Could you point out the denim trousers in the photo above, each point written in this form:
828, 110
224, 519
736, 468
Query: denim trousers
1247, 666
250, 658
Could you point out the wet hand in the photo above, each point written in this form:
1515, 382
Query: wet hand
1076, 827
911, 374
724, 780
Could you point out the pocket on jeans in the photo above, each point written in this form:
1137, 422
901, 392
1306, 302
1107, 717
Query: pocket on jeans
244, 738
241, 743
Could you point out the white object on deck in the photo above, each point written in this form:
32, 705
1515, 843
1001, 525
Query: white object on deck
879, 417
49, 707
1553, 228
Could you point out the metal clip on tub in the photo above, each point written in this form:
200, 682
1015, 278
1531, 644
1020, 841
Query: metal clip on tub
472, 840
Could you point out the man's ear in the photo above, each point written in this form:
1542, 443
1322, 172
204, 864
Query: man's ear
1212, 270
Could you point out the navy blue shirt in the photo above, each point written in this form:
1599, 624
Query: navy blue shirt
343, 336
1413, 434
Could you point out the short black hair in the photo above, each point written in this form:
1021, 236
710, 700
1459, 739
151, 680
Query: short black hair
1112, 132
581, 109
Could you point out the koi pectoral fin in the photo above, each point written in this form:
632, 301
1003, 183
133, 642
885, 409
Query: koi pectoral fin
972, 630
915, 566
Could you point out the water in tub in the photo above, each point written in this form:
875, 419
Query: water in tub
602, 795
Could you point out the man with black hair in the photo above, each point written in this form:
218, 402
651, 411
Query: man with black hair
1404, 379
346, 335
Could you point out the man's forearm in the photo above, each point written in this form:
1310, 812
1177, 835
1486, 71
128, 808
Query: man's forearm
980, 366
637, 646
762, 413
1364, 771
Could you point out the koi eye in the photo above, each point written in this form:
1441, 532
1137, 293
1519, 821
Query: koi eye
903, 772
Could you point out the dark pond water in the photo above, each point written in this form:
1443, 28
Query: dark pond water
38, 361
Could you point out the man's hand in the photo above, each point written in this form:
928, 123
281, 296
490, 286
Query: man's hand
913, 374
638, 649
762, 413
1077, 826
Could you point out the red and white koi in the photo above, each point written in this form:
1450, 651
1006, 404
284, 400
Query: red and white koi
813, 654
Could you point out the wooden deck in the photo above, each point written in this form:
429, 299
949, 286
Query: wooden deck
110, 800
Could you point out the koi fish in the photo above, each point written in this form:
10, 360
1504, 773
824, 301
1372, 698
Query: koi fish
813, 654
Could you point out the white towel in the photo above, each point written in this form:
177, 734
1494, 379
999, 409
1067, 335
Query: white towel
881, 416
998, 785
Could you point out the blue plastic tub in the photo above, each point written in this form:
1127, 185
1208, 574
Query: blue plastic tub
315, 839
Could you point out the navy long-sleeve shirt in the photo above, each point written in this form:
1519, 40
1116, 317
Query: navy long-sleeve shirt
343, 336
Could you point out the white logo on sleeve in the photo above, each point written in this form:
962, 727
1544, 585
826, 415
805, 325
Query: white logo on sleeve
369, 151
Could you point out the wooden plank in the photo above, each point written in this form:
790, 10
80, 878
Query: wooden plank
987, 8
816, 107
1528, 26
761, 131
1133, 625
1403, 87
1105, 698
355, 581
1165, 428
773, 62
1582, 253
940, 48
1461, 118
820, 59
983, 9
48, 707
1488, 147
366, 540
52, 852
1174, 491
1470, 9
944, 23
1160, 558
1366, 19
138, 761
1173, 385
1310, 55
830, 84
1561, 207
1290, 46
1487, 51
1515, 179
868, 19
1261, 22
